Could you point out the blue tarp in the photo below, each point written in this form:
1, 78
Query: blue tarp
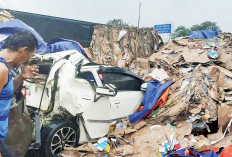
153, 92
59, 44
203, 34
56, 45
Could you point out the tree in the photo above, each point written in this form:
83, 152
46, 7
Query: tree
207, 25
183, 31
180, 32
117, 23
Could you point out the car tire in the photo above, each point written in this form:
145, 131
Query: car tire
57, 135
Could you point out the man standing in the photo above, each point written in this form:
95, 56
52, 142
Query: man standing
18, 49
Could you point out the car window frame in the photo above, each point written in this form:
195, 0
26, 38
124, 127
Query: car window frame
123, 74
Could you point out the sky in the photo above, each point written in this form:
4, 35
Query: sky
153, 12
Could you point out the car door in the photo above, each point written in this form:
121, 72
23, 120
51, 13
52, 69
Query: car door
94, 110
129, 96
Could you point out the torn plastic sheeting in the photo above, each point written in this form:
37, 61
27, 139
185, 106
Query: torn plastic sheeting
153, 92
160, 102
226, 152
56, 45
203, 34
9, 27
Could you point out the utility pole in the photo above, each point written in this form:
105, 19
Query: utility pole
139, 13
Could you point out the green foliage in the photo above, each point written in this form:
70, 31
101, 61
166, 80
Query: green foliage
184, 31
117, 23
180, 31
207, 25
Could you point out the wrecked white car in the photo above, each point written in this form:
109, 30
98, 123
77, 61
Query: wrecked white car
77, 100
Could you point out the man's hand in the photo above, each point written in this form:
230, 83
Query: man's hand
29, 72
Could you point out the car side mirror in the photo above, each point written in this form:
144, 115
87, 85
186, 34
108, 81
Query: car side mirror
143, 87
108, 89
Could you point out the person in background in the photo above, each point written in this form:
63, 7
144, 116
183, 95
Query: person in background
17, 51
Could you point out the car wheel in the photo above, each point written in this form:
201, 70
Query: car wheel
57, 135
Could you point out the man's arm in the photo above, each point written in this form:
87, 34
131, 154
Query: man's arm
28, 72
18, 81
4, 71
3, 75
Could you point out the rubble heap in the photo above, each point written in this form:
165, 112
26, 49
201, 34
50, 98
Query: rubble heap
199, 67
144, 139
202, 75
121, 47
201, 94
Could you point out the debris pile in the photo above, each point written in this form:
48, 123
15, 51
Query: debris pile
183, 52
201, 96
122, 46
203, 81
144, 139
191, 98
201, 93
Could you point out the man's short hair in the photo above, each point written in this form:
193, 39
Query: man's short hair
21, 39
